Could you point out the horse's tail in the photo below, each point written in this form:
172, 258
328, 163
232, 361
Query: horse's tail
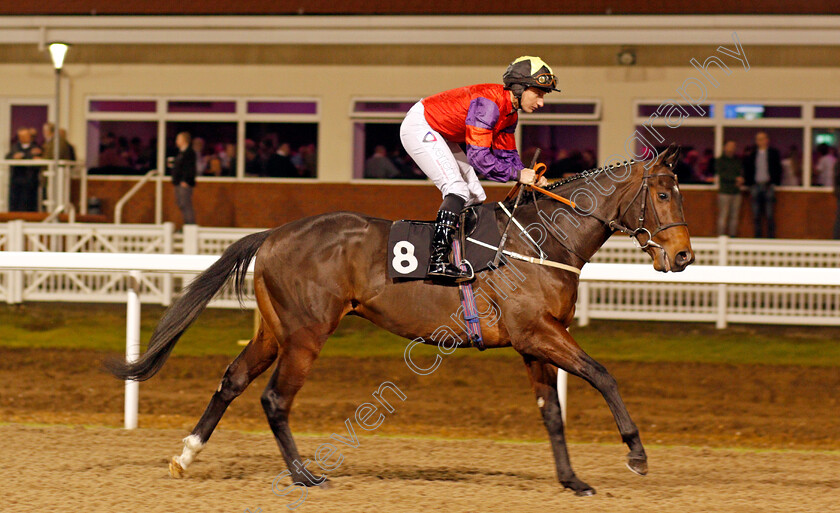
178, 317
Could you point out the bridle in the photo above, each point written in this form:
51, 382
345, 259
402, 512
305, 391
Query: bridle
645, 193
616, 224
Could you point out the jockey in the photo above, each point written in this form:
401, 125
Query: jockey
483, 116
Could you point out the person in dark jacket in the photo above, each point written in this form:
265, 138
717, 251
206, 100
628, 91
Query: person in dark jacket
762, 174
729, 171
183, 176
23, 182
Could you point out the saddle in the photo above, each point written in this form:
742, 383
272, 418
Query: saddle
410, 241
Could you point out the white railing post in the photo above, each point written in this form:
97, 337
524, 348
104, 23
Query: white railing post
722, 297
168, 248
15, 243
159, 196
583, 304
132, 347
190, 232
562, 392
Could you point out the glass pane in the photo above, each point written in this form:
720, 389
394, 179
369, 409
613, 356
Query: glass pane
788, 141
29, 117
214, 144
378, 153
648, 109
827, 112
825, 156
122, 106
566, 149
282, 108
202, 107
758, 111
281, 150
698, 150
121, 147
568, 108
392, 107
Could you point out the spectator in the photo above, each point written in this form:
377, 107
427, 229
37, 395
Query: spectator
62, 134
379, 165
23, 182
792, 167
824, 168
285, 168
762, 174
684, 168
837, 197
183, 176
64, 151
568, 164
252, 162
706, 166
730, 173
200, 160
310, 160
588, 159
214, 166
227, 157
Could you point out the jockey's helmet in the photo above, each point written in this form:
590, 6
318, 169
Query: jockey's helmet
528, 71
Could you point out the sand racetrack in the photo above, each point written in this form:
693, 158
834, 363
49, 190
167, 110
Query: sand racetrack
719, 438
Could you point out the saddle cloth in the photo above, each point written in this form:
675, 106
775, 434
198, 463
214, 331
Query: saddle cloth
409, 243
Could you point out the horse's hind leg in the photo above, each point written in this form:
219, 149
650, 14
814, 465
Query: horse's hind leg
293, 367
544, 381
251, 362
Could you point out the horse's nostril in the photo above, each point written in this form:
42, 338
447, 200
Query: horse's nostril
683, 258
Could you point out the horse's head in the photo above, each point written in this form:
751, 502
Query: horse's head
657, 209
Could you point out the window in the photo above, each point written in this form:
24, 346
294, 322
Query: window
214, 144
795, 130
129, 136
697, 144
121, 147
566, 132
377, 149
788, 141
281, 150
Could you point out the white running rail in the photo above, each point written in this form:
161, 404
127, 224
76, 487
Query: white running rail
134, 264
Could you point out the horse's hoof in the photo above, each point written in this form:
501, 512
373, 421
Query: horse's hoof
637, 465
325, 485
175, 468
580, 488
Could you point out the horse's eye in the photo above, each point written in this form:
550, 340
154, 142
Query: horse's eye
663, 196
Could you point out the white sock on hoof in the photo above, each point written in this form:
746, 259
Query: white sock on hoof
192, 446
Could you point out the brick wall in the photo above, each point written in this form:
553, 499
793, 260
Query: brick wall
800, 215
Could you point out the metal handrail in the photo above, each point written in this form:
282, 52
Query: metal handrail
131, 192
58, 183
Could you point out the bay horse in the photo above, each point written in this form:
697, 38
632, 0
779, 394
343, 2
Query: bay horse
310, 273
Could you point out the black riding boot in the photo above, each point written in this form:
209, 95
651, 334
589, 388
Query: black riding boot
439, 265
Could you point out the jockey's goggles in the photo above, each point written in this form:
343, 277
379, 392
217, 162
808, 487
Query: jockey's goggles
546, 79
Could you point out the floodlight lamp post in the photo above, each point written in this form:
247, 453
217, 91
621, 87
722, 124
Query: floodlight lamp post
57, 51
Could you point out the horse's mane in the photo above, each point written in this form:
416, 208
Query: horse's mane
595, 171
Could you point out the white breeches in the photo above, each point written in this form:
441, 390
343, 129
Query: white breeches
442, 161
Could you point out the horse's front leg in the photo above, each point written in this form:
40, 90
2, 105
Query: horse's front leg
550, 342
544, 381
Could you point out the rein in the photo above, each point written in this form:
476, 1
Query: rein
613, 224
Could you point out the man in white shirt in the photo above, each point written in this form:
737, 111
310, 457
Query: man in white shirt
824, 170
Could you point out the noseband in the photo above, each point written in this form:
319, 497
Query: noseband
644, 193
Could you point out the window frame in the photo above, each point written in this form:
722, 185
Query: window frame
240, 116
807, 122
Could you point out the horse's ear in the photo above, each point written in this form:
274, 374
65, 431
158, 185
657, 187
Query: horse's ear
670, 156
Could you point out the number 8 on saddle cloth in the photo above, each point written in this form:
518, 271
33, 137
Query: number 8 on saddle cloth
409, 243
